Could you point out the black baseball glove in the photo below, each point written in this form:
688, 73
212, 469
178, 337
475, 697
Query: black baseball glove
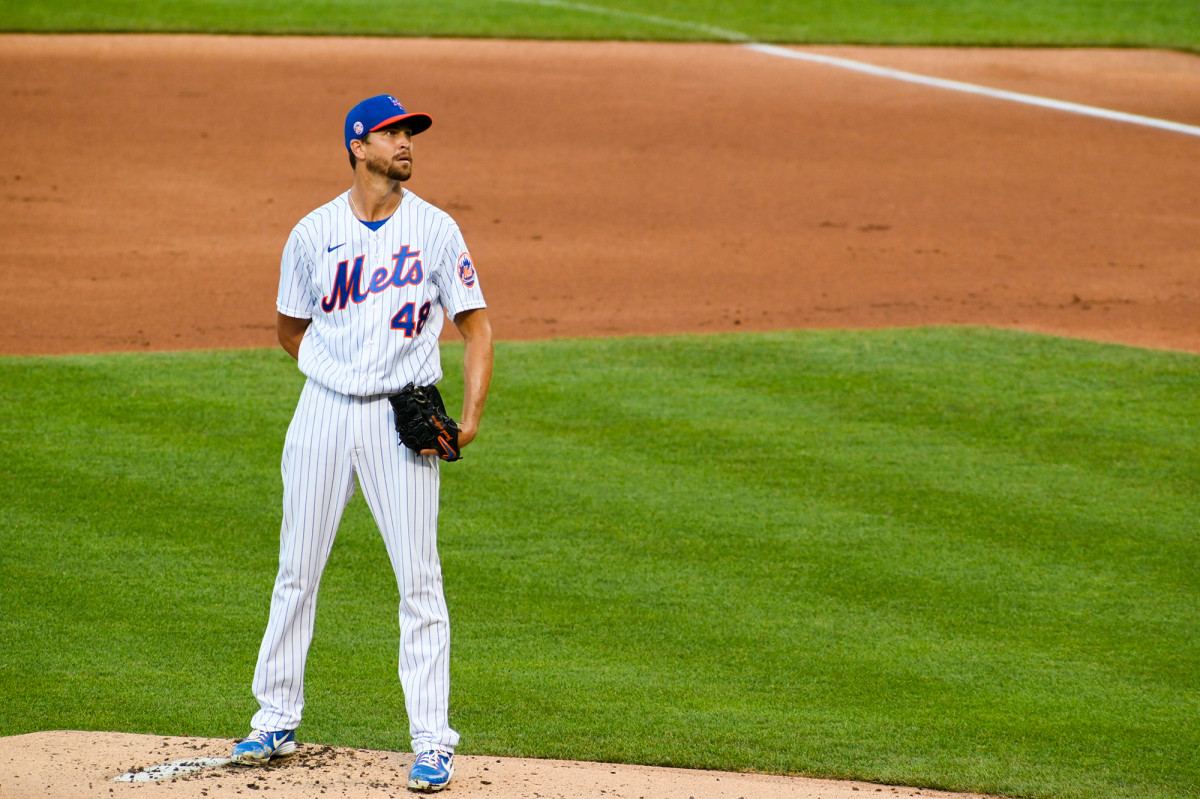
422, 421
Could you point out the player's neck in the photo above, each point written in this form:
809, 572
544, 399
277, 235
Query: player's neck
371, 201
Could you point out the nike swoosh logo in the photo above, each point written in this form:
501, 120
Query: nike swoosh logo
333, 247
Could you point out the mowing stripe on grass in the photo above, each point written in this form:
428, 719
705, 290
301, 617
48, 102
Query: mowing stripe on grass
719, 33
871, 69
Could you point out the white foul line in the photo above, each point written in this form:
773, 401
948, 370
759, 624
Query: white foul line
858, 66
970, 88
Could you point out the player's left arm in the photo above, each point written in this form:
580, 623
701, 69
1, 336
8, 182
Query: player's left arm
476, 331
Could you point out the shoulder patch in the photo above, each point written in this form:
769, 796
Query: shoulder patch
466, 270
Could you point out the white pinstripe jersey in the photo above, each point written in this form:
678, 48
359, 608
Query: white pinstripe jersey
375, 298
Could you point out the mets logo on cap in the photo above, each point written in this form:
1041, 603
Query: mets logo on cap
466, 270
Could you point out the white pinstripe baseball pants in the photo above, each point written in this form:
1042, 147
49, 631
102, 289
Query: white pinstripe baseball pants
332, 438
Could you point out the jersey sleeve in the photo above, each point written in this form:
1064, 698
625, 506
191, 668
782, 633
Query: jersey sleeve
456, 278
296, 297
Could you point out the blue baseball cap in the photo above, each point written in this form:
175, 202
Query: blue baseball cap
378, 112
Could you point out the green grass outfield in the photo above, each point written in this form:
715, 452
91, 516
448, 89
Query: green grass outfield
949, 557
1127, 23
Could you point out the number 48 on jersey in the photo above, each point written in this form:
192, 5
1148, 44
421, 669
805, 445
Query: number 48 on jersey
410, 321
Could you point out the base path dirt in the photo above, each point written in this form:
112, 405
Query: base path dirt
84, 764
149, 183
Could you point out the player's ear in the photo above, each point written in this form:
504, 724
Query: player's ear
358, 149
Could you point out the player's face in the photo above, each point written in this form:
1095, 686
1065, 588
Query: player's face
389, 152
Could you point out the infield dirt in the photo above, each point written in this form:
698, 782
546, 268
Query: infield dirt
149, 183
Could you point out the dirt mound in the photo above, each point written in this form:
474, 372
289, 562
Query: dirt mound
77, 765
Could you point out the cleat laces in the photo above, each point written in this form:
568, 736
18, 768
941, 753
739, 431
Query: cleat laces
429, 759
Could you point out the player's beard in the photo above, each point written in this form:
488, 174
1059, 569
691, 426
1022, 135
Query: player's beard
391, 168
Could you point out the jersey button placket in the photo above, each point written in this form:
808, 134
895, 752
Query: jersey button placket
377, 260
371, 312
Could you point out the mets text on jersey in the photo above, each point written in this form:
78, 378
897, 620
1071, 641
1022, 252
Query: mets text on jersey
347, 281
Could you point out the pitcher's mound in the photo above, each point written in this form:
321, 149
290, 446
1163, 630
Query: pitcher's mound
56, 765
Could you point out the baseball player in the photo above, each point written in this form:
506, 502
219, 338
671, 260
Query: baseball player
365, 282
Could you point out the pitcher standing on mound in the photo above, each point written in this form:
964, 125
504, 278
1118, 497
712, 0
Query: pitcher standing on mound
365, 283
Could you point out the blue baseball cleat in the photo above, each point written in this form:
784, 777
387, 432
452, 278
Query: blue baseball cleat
432, 771
262, 745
